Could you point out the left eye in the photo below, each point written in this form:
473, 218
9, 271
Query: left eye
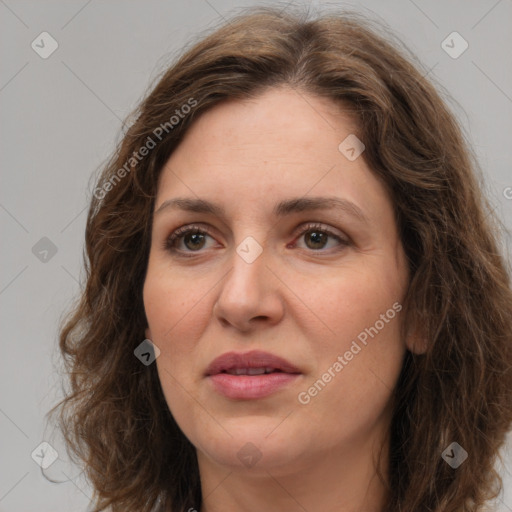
317, 237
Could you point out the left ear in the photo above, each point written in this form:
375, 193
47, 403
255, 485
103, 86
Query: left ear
148, 334
416, 341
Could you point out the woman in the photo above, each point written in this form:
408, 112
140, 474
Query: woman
294, 298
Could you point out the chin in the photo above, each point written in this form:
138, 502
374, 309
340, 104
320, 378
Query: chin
255, 444
252, 457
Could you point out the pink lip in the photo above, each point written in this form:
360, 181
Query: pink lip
250, 386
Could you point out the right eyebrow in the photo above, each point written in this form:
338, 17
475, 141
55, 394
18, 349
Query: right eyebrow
191, 205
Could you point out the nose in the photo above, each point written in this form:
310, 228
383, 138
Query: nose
250, 295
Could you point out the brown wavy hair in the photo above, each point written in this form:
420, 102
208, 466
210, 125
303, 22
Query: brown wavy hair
115, 419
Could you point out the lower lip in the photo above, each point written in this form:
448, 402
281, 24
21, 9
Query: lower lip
246, 387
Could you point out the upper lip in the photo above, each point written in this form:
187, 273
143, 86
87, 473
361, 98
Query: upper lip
253, 359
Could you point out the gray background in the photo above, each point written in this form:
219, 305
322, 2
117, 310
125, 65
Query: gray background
60, 119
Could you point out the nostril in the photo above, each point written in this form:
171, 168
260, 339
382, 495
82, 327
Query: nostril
224, 322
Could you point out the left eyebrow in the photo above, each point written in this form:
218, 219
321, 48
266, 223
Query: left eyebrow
283, 208
301, 204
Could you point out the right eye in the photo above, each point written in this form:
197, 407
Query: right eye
187, 239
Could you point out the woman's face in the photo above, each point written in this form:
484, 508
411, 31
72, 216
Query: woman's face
294, 254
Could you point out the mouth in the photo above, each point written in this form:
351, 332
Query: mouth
250, 375
250, 363
252, 371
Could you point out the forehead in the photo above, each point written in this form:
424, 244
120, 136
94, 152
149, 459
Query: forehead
257, 152
291, 115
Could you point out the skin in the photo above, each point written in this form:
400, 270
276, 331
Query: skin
300, 299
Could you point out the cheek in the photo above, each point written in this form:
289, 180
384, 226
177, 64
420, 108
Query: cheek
177, 312
171, 303
361, 309
345, 302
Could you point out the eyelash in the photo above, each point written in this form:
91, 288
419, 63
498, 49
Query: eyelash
172, 240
